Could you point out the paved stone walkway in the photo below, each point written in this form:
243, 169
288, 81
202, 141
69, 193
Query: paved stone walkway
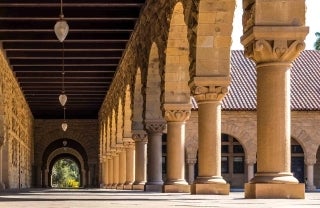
100, 198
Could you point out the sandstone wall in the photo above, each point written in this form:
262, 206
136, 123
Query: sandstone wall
16, 131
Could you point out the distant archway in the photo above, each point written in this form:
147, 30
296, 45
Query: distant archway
65, 172
64, 148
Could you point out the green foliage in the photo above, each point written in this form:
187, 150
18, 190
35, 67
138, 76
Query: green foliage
65, 174
317, 43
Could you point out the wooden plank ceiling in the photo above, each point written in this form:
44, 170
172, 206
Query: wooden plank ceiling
99, 32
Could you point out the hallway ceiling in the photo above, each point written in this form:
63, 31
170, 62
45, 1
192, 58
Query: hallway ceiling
99, 32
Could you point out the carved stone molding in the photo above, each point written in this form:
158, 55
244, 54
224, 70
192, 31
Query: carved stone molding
176, 112
310, 159
266, 51
140, 136
209, 93
177, 115
248, 16
267, 44
155, 126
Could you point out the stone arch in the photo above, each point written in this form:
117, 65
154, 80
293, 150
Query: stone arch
127, 123
119, 122
137, 120
213, 42
153, 90
69, 154
113, 129
308, 145
60, 147
176, 75
247, 140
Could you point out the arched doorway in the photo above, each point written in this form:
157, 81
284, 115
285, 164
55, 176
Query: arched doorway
297, 160
232, 161
64, 148
65, 172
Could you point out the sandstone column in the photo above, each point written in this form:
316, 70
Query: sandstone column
110, 172
105, 170
115, 170
154, 155
140, 139
250, 171
176, 116
122, 169
130, 162
310, 174
273, 49
209, 180
2, 186
191, 163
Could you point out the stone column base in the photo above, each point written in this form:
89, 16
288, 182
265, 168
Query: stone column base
2, 186
274, 191
120, 187
176, 188
114, 186
153, 188
211, 188
138, 187
127, 187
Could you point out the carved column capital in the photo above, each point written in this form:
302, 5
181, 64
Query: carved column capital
209, 93
177, 112
140, 136
155, 126
266, 51
267, 44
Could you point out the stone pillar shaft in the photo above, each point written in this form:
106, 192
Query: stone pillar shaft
154, 152
140, 161
273, 112
175, 153
310, 178
209, 153
110, 172
176, 116
130, 169
105, 172
250, 171
115, 170
122, 169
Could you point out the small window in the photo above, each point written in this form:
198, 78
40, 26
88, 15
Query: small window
224, 164
224, 138
296, 149
238, 165
224, 148
238, 149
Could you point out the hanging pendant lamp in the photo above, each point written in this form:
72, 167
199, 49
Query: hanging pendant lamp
64, 124
61, 28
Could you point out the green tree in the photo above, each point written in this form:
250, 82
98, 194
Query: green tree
317, 43
65, 174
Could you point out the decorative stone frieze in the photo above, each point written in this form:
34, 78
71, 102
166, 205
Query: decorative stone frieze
209, 93
266, 51
140, 136
177, 112
155, 126
267, 44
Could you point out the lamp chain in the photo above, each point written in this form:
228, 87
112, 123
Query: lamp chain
63, 72
61, 11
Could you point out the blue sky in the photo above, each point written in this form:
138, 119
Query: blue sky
312, 21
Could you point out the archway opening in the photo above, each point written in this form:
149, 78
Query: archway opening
65, 174
297, 160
